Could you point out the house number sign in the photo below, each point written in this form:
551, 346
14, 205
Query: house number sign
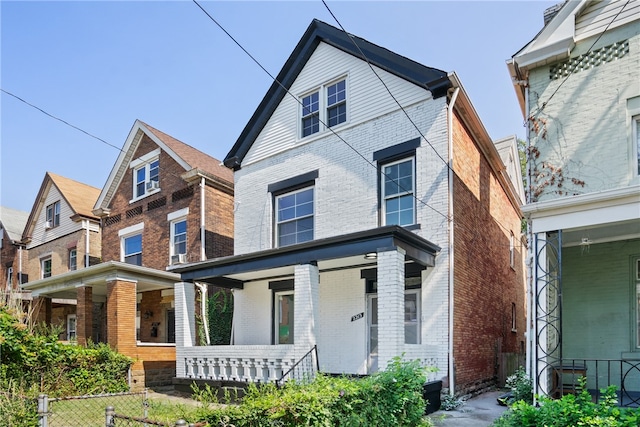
357, 316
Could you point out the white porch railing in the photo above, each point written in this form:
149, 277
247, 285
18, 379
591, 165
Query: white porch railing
245, 363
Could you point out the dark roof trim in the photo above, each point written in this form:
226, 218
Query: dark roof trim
432, 79
397, 150
295, 181
417, 249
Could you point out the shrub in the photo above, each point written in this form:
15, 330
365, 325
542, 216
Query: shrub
389, 398
572, 410
521, 387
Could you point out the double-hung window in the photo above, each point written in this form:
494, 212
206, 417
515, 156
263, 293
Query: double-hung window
637, 300
73, 259
636, 139
133, 249
45, 267
9, 277
53, 215
398, 192
323, 108
146, 174
294, 217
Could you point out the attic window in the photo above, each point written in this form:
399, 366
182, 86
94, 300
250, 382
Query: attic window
323, 108
146, 175
53, 215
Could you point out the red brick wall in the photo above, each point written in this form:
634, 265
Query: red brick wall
9, 257
157, 233
485, 283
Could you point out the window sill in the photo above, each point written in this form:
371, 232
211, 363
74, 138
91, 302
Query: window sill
150, 193
631, 355
412, 227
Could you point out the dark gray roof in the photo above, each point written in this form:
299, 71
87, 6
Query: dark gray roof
432, 79
13, 221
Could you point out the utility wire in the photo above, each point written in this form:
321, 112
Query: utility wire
575, 67
364, 57
320, 120
60, 120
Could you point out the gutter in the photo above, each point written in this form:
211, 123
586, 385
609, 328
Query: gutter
452, 383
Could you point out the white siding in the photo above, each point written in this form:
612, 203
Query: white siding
367, 99
67, 225
601, 15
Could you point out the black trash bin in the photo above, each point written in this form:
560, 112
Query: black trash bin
431, 394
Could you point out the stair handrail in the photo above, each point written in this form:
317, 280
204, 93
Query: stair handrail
314, 350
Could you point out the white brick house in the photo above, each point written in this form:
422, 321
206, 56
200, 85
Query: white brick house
345, 222
578, 83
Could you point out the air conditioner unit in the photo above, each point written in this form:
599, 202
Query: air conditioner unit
47, 225
178, 259
153, 185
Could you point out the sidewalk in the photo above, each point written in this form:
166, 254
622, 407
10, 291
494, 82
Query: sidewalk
479, 411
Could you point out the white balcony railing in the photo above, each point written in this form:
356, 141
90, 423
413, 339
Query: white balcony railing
245, 363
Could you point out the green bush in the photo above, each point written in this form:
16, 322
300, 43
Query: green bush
33, 356
389, 398
572, 410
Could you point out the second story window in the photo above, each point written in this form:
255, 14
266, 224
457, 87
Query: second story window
636, 139
73, 259
398, 190
179, 237
133, 249
45, 267
324, 107
53, 215
294, 217
147, 178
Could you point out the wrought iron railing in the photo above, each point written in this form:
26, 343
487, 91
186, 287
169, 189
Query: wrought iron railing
563, 378
304, 369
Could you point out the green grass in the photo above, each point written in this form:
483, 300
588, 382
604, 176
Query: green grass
90, 412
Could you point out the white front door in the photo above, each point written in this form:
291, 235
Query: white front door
372, 333
71, 327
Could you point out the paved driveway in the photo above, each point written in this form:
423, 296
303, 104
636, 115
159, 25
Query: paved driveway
480, 411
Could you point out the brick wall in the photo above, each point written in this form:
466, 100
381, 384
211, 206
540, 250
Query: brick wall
175, 195
10, 257
59, 251
485, 283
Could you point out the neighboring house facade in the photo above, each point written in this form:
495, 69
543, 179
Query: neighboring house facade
362, 231
164, 203
578, 83
13, 257
61, 235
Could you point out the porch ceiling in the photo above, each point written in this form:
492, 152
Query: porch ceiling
601, 233
346, 251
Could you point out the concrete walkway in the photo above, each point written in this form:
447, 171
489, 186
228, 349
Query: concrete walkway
479, 411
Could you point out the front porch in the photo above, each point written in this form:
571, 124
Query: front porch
358, 311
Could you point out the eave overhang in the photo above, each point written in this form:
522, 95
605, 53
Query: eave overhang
220, 271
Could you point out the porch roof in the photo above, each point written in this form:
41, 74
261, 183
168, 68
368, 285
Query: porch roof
344, 251
64, 285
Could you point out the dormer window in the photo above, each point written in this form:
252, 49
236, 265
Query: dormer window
146, 174
52, 215
326, 105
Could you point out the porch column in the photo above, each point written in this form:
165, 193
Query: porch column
84, 314
121, 316
42, 307
390, 305
305, 308
185, 318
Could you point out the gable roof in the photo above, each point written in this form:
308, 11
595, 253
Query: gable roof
432, 79
13, 222
185, 155
79, 196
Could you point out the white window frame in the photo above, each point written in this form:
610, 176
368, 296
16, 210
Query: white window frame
635, 138
127, 233
637, 300
143, 164
73, 255
43, 262
279, 223
512, 251
323, 109
9, 277
72, 333
52, 215
277, 316
403, 192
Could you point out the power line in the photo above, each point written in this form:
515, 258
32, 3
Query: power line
319, 119
575, 67
60, 120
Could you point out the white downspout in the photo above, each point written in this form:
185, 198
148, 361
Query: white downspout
203, 308
452, 382
20, 266
86, 244
203, 234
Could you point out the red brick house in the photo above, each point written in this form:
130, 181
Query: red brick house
164, 203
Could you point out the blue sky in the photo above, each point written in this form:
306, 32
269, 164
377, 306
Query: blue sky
102, 65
